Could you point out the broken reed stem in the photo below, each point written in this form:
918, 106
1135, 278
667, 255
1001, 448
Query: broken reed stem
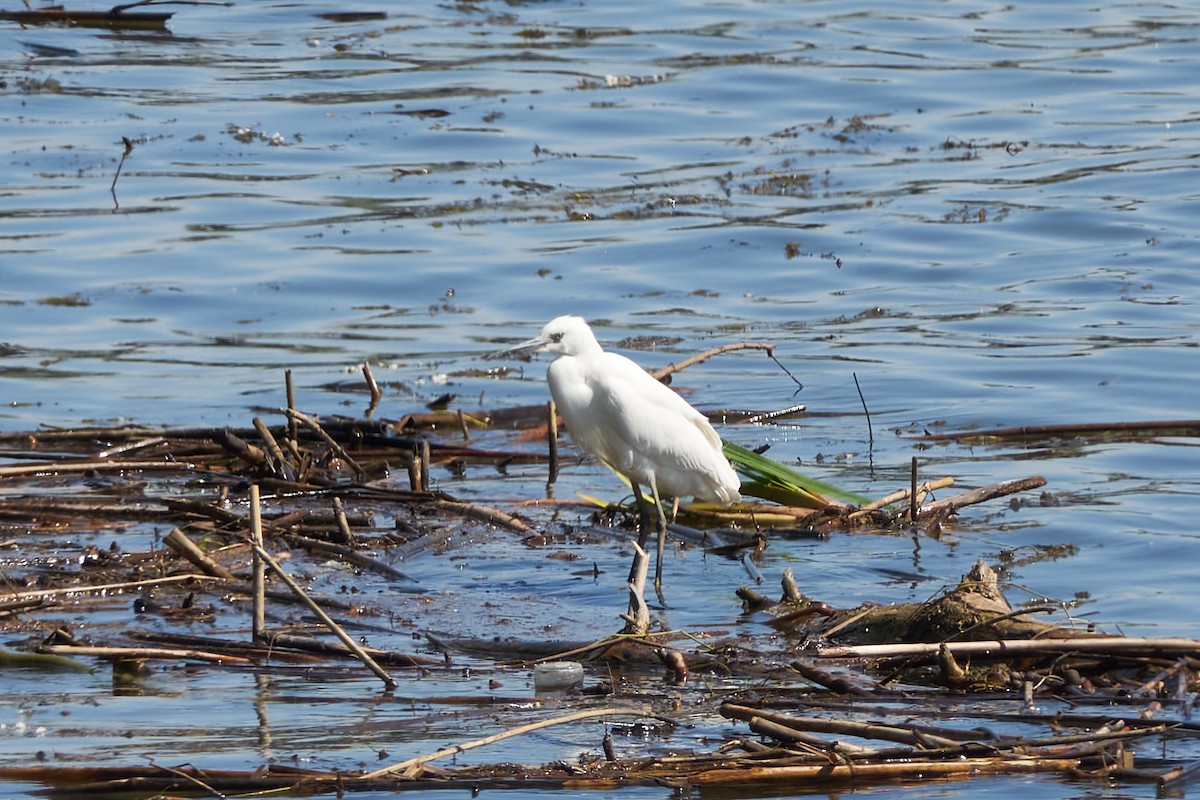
339, 513
178, 541
462, 425
258, 626
329, 440
912, 498
552, 440
269, 440
496, 737
415, 467
291, 402
388, 681
425, 459
372, 386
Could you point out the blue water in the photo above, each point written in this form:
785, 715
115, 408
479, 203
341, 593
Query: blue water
984, 212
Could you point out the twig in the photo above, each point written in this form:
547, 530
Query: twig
341, 634
517, 731
867, 411
117, 10
671, 369
112, 189
179, 773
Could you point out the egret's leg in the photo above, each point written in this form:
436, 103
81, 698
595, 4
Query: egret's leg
643, 522
662, 534
643, 514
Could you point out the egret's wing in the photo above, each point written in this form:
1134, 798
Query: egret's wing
644, 417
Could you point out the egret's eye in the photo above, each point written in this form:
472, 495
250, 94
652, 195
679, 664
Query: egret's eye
556, 337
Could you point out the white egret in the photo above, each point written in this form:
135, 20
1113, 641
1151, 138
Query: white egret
615, 411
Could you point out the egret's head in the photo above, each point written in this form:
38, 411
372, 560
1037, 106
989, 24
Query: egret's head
567, 335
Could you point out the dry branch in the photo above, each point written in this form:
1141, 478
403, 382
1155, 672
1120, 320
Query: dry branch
982, 494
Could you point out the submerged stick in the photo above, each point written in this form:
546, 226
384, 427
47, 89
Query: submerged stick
1189, 427
492, 515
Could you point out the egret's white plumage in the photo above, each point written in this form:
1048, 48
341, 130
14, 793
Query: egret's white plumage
615, 411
